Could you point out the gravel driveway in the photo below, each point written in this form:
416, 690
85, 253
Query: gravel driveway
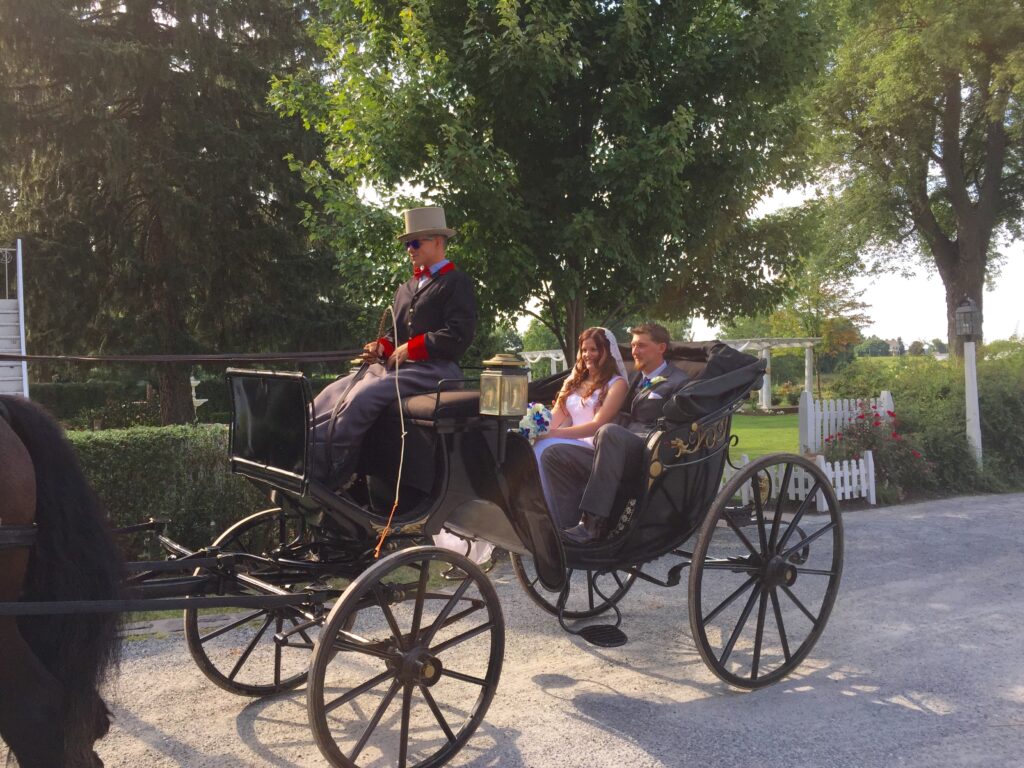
920, 666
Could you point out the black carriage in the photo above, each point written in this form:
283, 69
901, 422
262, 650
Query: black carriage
764, 553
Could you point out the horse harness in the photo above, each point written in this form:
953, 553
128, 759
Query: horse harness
15, 536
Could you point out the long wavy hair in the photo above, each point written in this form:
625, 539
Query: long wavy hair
581, 381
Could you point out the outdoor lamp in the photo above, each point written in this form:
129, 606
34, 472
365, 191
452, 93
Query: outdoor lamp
503, 386
968, 320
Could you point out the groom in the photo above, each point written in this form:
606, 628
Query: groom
618, 448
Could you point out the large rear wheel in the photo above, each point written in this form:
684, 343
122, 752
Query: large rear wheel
407, 663
766, 570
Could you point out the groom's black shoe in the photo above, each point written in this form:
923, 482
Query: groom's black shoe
590, 529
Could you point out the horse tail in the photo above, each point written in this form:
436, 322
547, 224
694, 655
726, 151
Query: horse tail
75, 558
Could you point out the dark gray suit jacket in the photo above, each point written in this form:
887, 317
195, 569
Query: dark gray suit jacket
643, 409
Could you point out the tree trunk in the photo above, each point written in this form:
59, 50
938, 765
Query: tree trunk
175, 395
963, 277
574, 326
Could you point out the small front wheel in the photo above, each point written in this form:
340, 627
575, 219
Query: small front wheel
765, 570
407, 663
587, 593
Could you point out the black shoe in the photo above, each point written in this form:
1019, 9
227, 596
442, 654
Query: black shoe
590, 529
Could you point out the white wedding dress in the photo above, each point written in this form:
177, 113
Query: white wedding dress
581, 410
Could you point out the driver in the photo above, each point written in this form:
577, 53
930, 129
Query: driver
435, 313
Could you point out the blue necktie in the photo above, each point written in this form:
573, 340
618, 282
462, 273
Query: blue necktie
645, 384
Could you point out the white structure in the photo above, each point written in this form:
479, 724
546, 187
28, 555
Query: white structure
821, 418
764, 347
971, 397
13, 376
556, 356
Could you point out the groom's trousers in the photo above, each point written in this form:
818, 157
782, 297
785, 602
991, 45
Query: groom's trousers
581, 480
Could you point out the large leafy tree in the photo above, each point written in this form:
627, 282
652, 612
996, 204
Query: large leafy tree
598, 157
147, 172
922, 110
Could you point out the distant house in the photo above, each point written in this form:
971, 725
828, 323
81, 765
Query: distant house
896, 347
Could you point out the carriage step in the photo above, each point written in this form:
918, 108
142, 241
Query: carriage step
604, 635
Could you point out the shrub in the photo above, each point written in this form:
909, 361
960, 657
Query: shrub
929, 395
174, 473
900, 468
67, 400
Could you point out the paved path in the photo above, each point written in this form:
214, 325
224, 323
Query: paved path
920, 666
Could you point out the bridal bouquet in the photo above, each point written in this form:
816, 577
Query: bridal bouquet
535, 422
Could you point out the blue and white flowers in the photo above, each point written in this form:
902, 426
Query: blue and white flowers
535, 422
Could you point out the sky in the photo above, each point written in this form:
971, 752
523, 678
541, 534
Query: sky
914, 308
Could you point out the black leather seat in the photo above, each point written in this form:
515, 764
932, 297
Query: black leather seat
459, 404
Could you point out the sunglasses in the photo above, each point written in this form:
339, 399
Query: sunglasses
415, 244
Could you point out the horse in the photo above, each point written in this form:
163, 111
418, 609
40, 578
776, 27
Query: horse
55, 545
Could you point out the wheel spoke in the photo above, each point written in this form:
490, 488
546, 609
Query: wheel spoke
302, 632
762, 535
277, 653
761, 608
738, 628
249, 649
590, 589
443, 615
777, 609
787, 477
421, 591
615, 575
807, 613
389, 616
804, 542
467, 635
374, 721
438, 715
799, 513
729, 600
464, 678
403, 744
359, 691
229, 627
742, 536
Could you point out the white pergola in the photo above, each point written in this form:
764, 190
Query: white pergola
761, 347
13, 376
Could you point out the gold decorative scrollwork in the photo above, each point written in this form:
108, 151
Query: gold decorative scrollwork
710, 437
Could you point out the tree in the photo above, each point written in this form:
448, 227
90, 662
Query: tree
921, 111
872, 346
916, 348
599, 157
147, 174
938, 345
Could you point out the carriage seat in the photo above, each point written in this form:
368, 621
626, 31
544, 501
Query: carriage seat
433, 406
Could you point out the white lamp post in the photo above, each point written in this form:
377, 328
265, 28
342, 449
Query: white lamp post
968, 327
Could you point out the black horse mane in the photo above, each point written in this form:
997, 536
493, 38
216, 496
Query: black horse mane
75, 558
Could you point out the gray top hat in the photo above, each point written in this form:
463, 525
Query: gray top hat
425, 222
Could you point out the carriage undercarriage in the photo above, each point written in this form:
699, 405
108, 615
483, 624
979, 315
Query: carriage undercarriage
400, 665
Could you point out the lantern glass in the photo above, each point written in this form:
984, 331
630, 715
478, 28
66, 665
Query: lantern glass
503, 387
968, 320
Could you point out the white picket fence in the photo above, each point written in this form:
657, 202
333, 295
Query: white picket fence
822, 418
854, 479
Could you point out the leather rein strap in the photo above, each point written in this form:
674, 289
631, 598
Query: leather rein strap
228, 359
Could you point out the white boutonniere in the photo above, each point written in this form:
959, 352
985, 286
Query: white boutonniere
653, 383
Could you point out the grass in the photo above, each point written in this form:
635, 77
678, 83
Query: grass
761, 435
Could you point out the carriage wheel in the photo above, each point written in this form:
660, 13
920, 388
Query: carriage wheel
237, 650
765, 573
590, 593
410, 679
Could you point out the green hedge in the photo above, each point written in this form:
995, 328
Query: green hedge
930, 407
66, 400
175, 473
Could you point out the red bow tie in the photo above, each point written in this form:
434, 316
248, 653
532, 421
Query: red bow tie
419, 272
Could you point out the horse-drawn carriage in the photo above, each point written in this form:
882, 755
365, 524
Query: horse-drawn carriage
401, 664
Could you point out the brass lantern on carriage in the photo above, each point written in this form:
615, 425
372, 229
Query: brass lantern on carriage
504, 386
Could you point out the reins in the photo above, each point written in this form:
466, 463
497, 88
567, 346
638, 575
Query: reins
230, 358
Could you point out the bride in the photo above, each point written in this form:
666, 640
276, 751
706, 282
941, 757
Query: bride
590, 398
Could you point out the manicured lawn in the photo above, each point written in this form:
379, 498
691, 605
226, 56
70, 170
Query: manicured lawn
760, 435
